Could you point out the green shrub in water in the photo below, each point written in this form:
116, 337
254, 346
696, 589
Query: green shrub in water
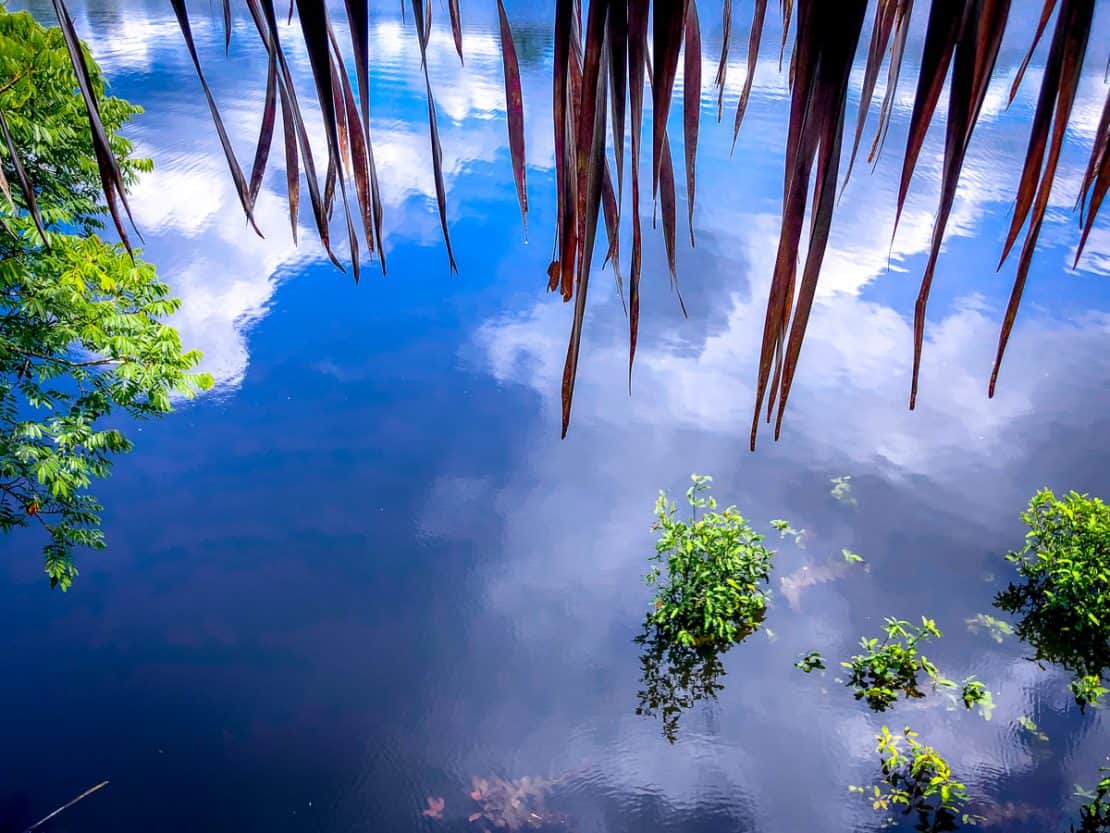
917, 780
1063, 598
711, 572
890, 667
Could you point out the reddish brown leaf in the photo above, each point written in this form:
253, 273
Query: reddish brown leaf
25, 184
880, 38
897, 51
591, 166
827, 35
266, 130
975, 54
111, 181
566, 177
241, 187
617, 33
514, 108
668, 25
691, 103
787, 7
1058, 87
612, 229
945, 22
456, 27
423, 26
1096, 179
722, 64
227, 27
760, 12
637, 61
1046, 13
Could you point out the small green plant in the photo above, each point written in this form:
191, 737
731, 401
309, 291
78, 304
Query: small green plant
917, 781
984, 623
1094, 816
1063, 599
974, 693
813, 661
711, 576
710, 572
851, 557
1026, 723
1088, 690
886, 668
784, 529
842, 489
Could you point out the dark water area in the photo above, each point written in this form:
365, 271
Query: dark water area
364, 569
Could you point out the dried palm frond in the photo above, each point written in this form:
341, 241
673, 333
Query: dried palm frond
601, 66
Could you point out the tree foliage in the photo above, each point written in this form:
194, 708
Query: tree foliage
83, 338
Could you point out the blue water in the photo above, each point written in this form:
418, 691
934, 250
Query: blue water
364, 569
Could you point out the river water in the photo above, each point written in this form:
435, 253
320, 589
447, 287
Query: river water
365, 570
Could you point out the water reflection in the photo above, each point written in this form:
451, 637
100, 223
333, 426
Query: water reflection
675, 678
369, 570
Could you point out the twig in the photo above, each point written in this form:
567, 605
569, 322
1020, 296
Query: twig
66, 806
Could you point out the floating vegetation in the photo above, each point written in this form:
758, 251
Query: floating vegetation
516, 804
890, 667
813, 661
916, 781
1026, 723
711, 575
1094, 816
434, 810
1063, 598
984, 623
842, 489
785, 529
974, 693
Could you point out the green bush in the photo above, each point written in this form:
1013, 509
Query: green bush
1063, 598
917, 781
710, 572
886, 668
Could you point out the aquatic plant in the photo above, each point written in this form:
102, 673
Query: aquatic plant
842, 489
1063, 597
710, 572
674, 678
83, 335
513, 804
1027, 723
984, 623
974, 694
885, 669
600, 63
812, 661
1094, 816
916, 781
784, 529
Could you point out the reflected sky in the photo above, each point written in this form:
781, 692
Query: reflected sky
365, 568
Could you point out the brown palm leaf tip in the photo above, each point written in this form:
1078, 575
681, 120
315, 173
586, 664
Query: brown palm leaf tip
601, 63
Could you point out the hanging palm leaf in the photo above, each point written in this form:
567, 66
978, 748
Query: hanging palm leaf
601, 67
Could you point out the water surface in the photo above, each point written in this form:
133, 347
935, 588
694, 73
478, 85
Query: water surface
365, 569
